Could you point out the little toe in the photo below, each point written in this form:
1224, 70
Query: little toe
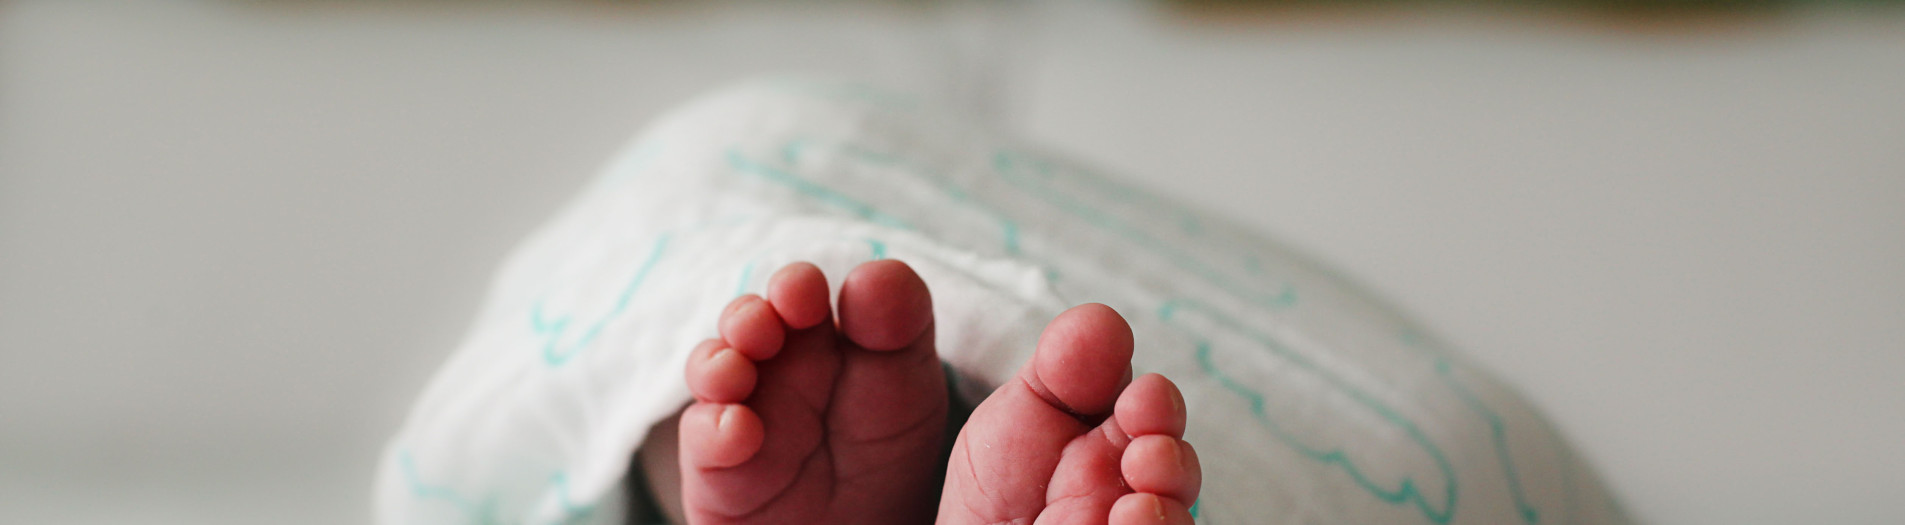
884, 305
1149, 509
1162, 465
718, 374
798, 292
1083, 360
1151, 405
717, 435
751, 326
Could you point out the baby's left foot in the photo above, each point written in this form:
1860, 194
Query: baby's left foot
1069, 441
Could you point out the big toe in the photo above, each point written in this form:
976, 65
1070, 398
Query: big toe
887, 420
1083, 361
884, 305
1005, 458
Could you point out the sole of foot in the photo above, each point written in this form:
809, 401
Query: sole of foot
1074, 439
802, 418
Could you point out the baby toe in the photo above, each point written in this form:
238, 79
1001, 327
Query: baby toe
1149, 509
750, 325
1162, 465
716, 435
718, 374
1151, 405
798, 292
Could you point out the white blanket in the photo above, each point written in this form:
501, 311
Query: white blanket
1309, 401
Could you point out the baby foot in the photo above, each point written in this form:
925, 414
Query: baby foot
1069, 442
798, 419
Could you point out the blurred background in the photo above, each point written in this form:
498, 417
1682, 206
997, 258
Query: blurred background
237, 237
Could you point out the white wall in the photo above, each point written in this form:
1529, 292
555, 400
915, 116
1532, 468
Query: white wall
235, 238
1689, 248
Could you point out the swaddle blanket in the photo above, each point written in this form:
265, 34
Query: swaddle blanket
1309, 402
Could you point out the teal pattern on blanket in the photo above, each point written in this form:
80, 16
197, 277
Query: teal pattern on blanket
1358, 415
485, 511
559, 344
1404, 491
1011, 165
1014, 167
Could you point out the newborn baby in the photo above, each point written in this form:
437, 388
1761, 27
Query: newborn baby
802, 417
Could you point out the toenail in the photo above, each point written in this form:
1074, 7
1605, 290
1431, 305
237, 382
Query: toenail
726, 417
1157, 506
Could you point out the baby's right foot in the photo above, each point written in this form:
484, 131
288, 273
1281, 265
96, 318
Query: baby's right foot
802, 420
1069, 442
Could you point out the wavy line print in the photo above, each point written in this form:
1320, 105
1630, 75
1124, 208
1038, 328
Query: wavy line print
1005, 166
747, 277
1405, 491
1008, 228
817, 191
1497, 430
1189, 225
1187, 220
571, 512
553, 352
485, 513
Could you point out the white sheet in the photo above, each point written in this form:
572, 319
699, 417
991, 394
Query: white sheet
1309, 402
